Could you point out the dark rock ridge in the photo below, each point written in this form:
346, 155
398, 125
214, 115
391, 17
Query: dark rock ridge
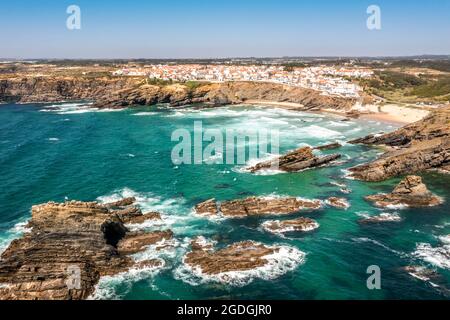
85, 237
299, 159
295, 225
416, 147
411, 192
119, 92
255, 206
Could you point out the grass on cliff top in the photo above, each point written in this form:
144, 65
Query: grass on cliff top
406, 87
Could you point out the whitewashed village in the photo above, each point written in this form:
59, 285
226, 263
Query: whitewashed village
328, 80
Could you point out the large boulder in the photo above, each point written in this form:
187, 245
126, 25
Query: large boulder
411, 192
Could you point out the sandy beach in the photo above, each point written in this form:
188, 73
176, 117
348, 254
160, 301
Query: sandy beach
394, 113
391, 113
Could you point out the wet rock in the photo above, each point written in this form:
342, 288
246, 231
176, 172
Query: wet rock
121, 203
134, 242
300, 159
300, 224
138, 219
254, 206
206, 208
411, 192
341, 203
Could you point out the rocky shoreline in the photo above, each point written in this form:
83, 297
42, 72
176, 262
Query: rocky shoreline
420, 146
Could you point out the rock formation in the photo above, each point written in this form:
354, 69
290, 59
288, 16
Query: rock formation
416, 147
411, 192
70, 239
255, 206
295, 225
341, 203
300, 159
245, 255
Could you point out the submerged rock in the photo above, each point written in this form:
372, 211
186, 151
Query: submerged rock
136, 241
382, 217
299, 224
300, 159
254, 206
411, 192
70, 246
341, 203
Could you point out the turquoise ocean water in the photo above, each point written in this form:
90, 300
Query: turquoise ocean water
66, 151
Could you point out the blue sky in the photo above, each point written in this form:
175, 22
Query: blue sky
217, 28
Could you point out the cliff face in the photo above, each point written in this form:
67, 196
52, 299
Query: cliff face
122, 92
416, 147
54, 89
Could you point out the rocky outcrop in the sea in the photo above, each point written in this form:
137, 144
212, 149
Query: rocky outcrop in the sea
416, 147
254, 206
295, 225
336, 202
297, 160
239, 262
411, 192
70, 246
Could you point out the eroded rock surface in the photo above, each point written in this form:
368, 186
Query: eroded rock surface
411, 192
254, 206
67, 239
416, 147
281, 226
300, 159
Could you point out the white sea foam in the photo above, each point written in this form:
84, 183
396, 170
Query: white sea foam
145, 113
319, 132
147, 201
106, 288
15, 232
438, 256
74, 108
284, 260
375, 242
445, 239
